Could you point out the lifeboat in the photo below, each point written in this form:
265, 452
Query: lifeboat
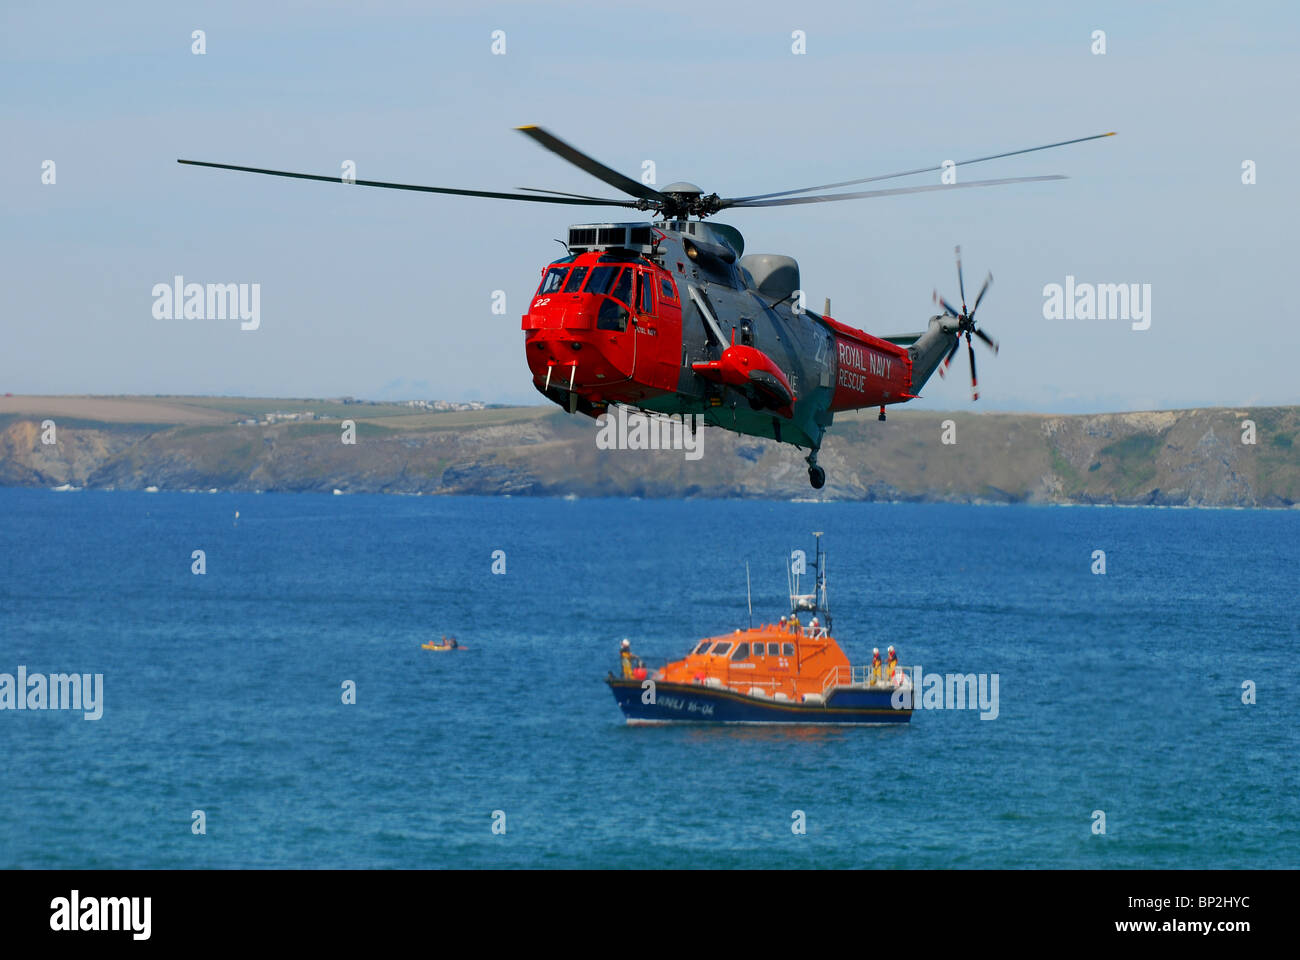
789, 672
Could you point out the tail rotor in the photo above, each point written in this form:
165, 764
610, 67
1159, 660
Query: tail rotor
966, 326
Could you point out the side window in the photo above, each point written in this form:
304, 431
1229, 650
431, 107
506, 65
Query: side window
741, 652
720, 650
774, 649
788, 650
551, 282
646, 283
666, 288
575, 279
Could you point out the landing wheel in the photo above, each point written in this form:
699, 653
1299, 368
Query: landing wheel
817, 477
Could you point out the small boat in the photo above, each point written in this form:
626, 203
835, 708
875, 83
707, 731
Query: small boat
445, 645
777, 673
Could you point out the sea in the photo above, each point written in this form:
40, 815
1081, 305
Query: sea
277, 709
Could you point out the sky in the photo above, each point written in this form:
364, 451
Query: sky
387, 294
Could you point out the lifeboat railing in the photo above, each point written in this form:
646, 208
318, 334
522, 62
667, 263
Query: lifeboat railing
857, 675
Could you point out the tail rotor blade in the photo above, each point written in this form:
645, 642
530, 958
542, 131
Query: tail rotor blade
974, 384
944, 303
993, 344
983, 290
947, 361
961, 282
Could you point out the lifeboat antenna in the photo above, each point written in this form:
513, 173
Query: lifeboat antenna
749, 596
814, 602
823, 605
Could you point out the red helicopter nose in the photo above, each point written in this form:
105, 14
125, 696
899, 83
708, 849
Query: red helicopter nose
579, 342
605, 328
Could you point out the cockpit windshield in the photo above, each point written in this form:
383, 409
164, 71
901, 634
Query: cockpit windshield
622, 291
602, 278
575, 279
553, 280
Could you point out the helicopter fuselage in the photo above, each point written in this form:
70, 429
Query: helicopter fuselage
670, 318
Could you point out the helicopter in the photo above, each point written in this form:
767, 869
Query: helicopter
671, 316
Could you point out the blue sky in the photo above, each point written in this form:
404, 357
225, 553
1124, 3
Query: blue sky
388, 294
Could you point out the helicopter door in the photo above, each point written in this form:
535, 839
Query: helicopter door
613, 312
668, 340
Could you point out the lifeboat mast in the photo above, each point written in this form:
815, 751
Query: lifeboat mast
816, 602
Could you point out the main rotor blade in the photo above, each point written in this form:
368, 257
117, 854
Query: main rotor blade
908, 173
893, 191
594, 167
594, 202
561, 193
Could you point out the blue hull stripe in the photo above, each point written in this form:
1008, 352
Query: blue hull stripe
682, 703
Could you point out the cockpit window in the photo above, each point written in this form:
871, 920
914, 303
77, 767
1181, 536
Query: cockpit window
622, 291
575, 279
552, 281
612, 315
789, 650
601, 279
720, 649
741, 652
702, 647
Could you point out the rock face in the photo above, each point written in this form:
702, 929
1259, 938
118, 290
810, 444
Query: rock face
1182, 457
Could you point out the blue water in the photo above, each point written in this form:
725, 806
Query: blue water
1120, 693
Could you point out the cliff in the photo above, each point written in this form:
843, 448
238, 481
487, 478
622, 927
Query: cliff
1177, 457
